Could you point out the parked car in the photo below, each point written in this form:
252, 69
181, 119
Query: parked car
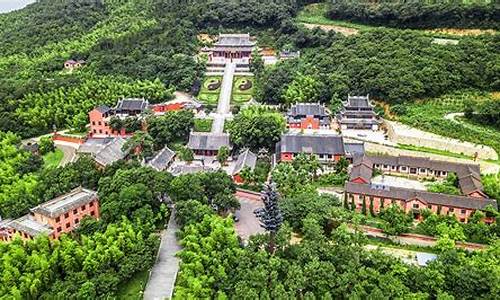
236, 216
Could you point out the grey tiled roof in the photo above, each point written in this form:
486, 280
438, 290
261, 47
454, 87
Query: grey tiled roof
208, 141
103, 109
28, 225
65, 203
362, 168
312, 143
131, 104
470, 183
111, 152
428, 197
190, 169
162, 159
354, 149
358, 101
307, 109
93, 145
245, 159
240, 40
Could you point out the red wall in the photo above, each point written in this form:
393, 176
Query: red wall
168, 107
66, 138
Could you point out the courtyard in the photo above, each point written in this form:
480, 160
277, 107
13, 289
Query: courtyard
400, 182
248, 223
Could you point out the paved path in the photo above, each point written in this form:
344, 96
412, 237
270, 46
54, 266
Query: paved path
224, 105
69, 154
164, 273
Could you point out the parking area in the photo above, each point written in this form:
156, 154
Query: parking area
248, 224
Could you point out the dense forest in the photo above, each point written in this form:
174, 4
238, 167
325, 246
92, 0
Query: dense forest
392, 65
418, 13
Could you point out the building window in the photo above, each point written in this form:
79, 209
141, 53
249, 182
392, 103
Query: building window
58, 219
91, 204
105, 123
462, 220
66, 215
100, 123
95, 131
75, 211
77, 221
450, 210
59, 229
84, 207
100, 130
422, 170
92, 213
429, 206
463, 211
403, 168
415, 205
67, 225
106, 132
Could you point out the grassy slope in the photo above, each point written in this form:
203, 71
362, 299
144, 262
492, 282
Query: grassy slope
52, 159
133, 288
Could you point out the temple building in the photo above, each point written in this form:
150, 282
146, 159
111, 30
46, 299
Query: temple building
53, 218
100, 116
231, 46
361, 191
207, 143
247, 159
308, 116
329, 148
358, 113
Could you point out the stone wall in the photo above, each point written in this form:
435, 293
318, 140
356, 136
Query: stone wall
403, 134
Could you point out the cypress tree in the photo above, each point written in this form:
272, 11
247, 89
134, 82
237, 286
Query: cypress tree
272, 218
372, 212
363, 207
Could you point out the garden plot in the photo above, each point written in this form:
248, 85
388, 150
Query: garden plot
243, 89
210, 90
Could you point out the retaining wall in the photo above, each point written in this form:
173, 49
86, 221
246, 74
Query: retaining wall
403, 134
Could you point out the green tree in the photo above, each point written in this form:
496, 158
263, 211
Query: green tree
223, 155
256, 128
395, 220
140, 145
186, 154
46, 145
304, 88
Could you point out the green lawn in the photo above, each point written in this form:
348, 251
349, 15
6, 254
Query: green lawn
52, 159
203, 125
241, 96
315, 14
134, 287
